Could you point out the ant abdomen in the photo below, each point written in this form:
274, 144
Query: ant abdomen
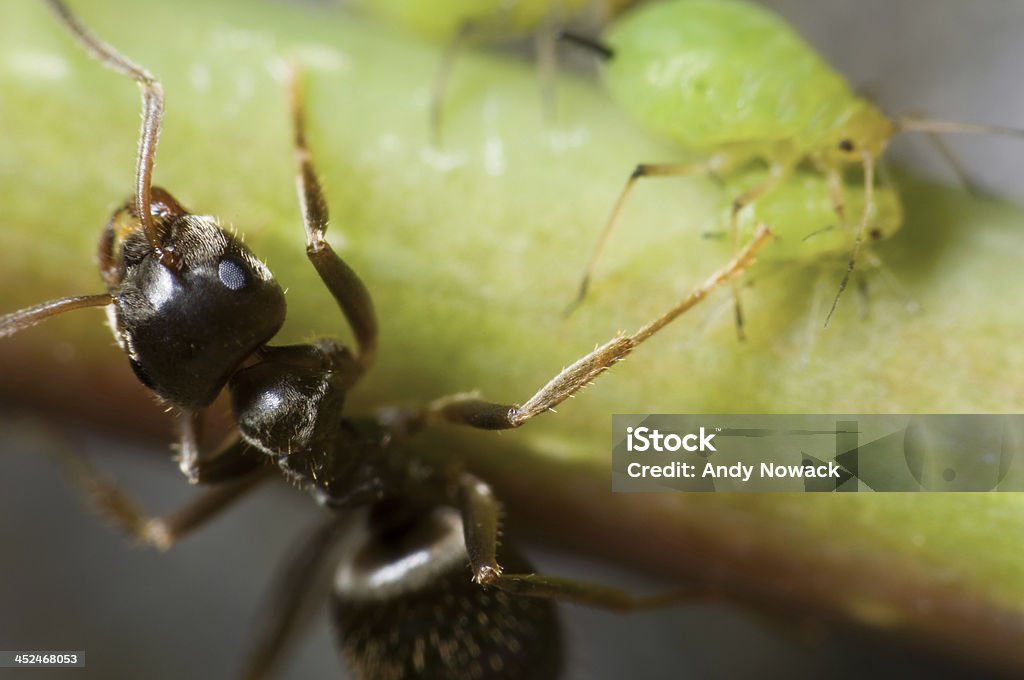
186, 325
404, 606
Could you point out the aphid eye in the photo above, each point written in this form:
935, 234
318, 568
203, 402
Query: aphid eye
846, 145
875, 234
232, 274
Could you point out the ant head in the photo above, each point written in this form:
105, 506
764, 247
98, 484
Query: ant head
865, 132
187, 326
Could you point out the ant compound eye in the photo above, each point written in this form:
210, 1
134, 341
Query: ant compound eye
846, 145
232, 274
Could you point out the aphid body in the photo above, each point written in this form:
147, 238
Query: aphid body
808, 228
458, 23
716, 75
443, 20
732, 82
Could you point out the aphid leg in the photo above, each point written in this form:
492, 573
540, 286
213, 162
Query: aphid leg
293, 594
235, 470
959, 171
481, 519
546, 43
344, 284
812, 330
439, 89
893, 281
834, 178
777, 173
30, 316
474, 412
869, 211
864, 295
152, 116
470, 32
713, 165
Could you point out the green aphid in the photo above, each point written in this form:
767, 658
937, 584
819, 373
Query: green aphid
458, 23
444, 19
732, 81
803, 218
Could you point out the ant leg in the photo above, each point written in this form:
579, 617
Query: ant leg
232, 459
292, 596
152, 116
30, 316
234, 471
481, 516
474, 412
344, 284
713, 166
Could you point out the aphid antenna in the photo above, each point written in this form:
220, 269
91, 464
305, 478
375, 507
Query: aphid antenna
933, 129
592, 45
920, 124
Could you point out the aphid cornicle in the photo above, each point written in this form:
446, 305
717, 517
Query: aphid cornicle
731, 80
194, 311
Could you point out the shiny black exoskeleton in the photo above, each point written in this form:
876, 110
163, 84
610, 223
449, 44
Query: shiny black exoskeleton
195, 311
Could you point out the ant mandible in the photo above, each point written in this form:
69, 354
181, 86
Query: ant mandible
194, 310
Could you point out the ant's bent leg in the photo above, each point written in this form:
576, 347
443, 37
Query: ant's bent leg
231, 460
481, 517
234, 471
467, 409
714, 166
293, 594
343, 283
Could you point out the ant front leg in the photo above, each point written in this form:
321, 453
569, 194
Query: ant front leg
343, 283
474, 412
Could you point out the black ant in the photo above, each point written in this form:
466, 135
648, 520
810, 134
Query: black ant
194, 310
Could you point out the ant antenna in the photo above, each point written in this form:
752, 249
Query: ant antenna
590, 44
26, 318
152, 116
